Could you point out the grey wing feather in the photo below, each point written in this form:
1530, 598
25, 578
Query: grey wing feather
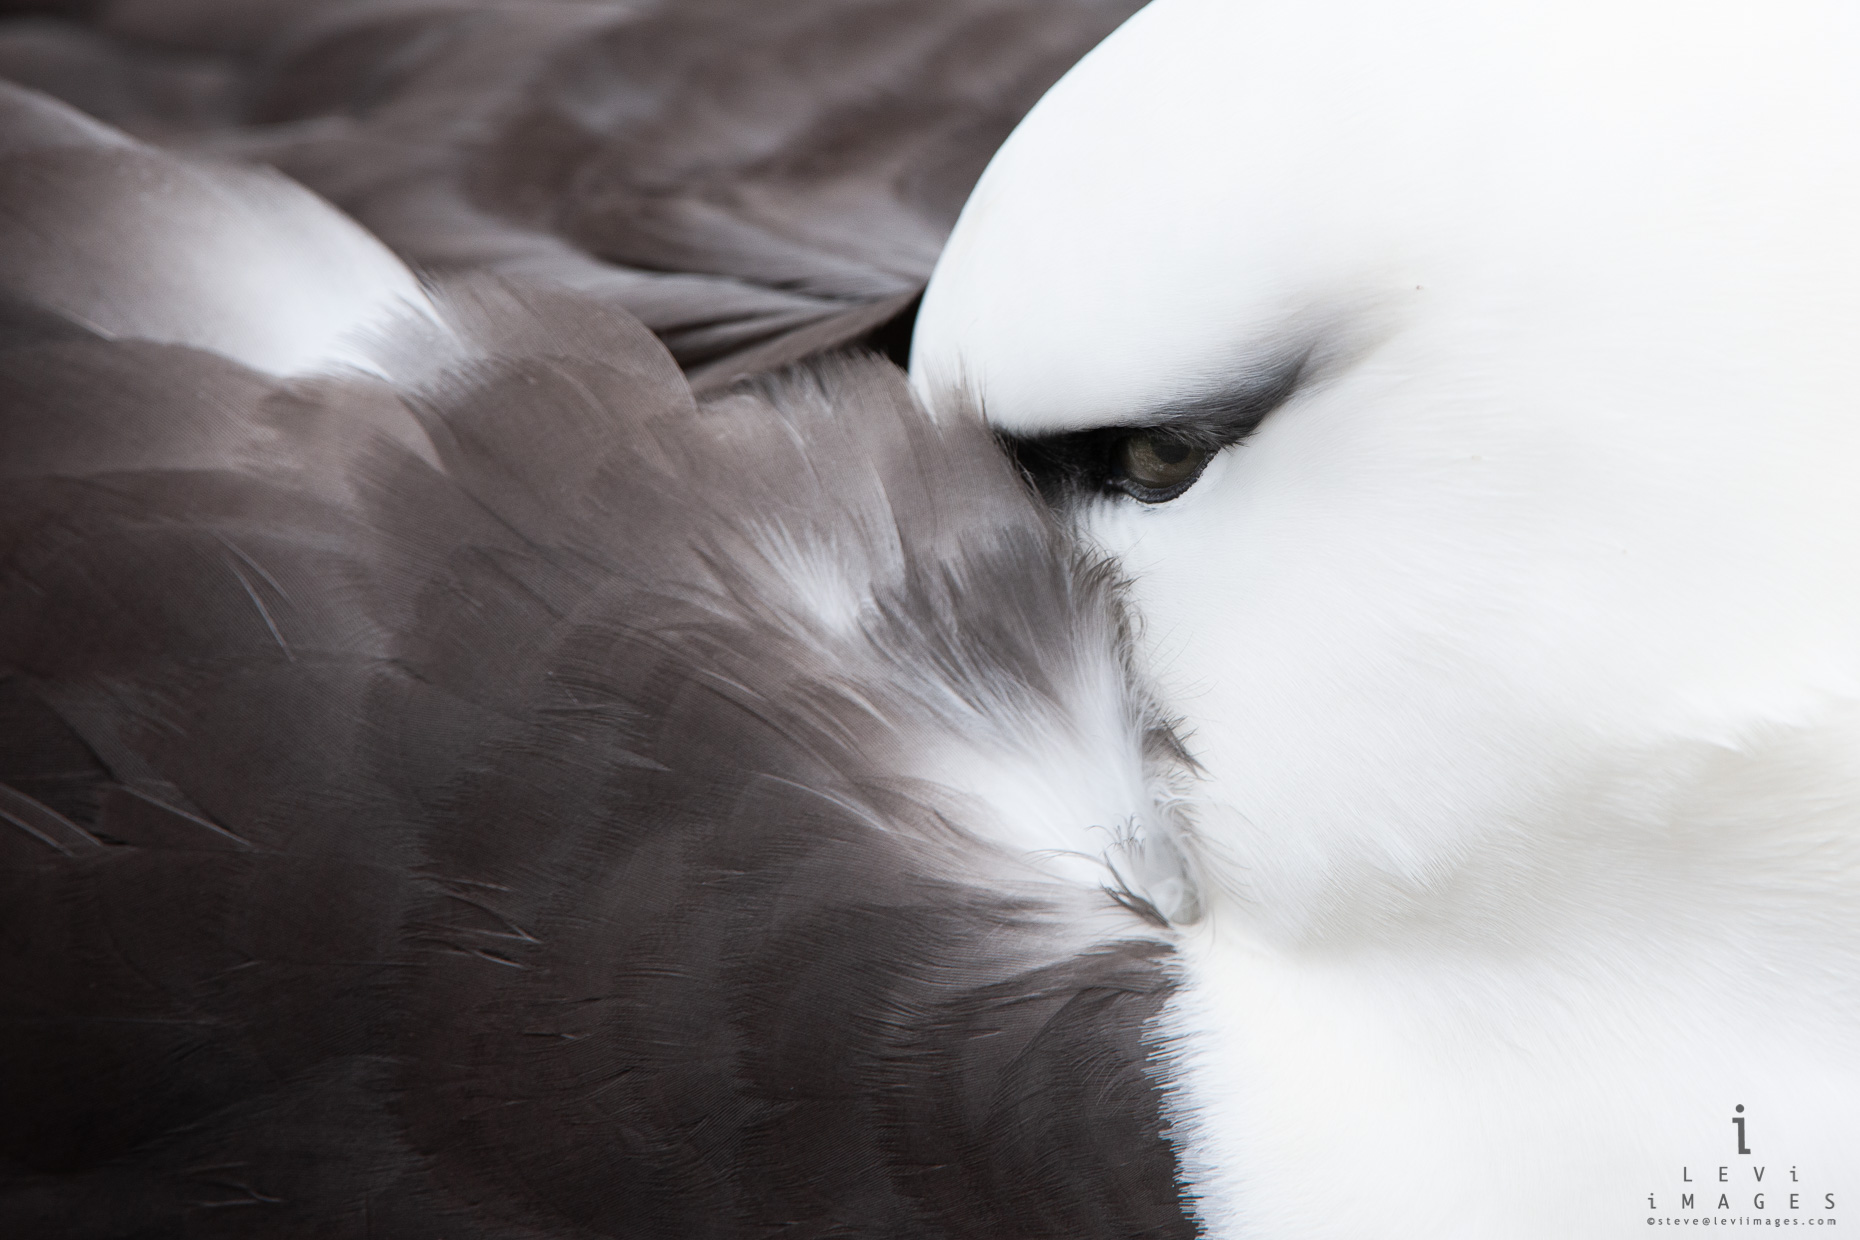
432, 808
756, 182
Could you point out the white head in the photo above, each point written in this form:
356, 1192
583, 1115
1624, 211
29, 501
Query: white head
1524, 630
1553, 314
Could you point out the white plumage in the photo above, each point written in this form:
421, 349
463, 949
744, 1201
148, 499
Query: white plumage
1520, 644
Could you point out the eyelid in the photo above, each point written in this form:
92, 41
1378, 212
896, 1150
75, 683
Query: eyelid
1072, 466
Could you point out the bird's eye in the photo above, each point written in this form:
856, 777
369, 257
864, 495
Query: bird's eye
1155, 466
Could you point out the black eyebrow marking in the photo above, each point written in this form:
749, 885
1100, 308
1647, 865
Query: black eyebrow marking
1075, 465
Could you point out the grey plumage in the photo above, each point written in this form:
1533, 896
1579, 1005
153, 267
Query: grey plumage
756, 182
441, 805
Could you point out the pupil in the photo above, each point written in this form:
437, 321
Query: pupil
1168, 451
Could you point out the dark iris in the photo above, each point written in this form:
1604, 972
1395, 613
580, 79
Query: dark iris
1152, 464
1163, 455
1155, 466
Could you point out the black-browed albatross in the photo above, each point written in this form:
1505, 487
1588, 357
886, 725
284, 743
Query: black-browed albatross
1393, 783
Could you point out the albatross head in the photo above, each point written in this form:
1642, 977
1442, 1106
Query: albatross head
1471, 395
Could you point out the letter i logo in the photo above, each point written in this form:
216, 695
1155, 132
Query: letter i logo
1738, 1119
